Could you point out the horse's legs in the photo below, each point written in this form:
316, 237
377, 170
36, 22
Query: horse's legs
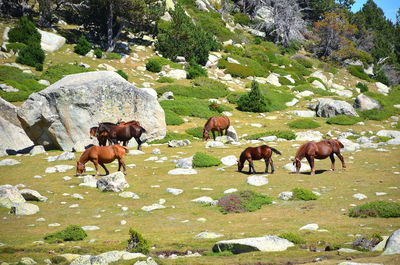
213, 133
251, 166
121, 162
266, 164
103, 166
272, 165
333, 162
95, 162
341, 159
139, 142
310, 160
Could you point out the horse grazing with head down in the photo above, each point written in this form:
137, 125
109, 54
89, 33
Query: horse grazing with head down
213, 124
257, 153
320, 150
117, 133
102, 155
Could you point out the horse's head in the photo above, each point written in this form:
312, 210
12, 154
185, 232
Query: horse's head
93, 132
297, 164
240, 166
80, 168
206, 135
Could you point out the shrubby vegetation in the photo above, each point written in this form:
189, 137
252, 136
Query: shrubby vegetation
189, 107
194, 70
303, 195
71, 233
343, 120
376, 209
254, 101
165, 79
238, 70
122, 73
304, 124
196, 132
24, 32
113, 56
83, 46
288, 135
164, 61
201, 159
136, 243
153, 65
171, 118
295, 239
363, 87
358, 71
243, 201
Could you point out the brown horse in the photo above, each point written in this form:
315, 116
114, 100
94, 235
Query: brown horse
125, 134
215, 124
121, 123
101, 138
320, 150
257, 153
101, 155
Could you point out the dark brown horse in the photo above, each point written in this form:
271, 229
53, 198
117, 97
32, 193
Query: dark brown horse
320, 150
101, 138
117, 133
213, 124
120, 122
257, 153
102, 155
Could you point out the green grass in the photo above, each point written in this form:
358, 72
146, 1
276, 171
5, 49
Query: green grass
237, 70
288, 135
172, 136
376, 209
196, 132
304, 124
363, 87
258, 69
217, 254
164, 61
343, 120
165, 79
112, 56
233, 97
171, 118
294, 238
189, 107
305, 62
55, 72
315, 90
275, 98
26, 83
71, 233
300, 194
358, 71
201, 159
200, 89
312, 79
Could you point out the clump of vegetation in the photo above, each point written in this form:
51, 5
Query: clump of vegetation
32, 55
376, 209
56, 72
216, 107
363, 87
223, 63
288, 135
136, 243
253, 101
24, 32
98, 53
171, 118
165, 79
303, 61
71, 233
122, 73
381, 77
58, 260
233, 97
296, 239
303, 124
196, 131
212, 85
204, 91
172, 136
153, 65
315, 90
358, 71
242, 19
24, 82
201, 159
367, 243
15, 46
237, 70
194, 70
164, 61
343, 120
188, 107
312, 79
113, 56
217, 253
83, 46
303, 195
243, 201
375, 114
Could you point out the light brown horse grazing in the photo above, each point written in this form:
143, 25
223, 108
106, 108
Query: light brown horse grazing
102, 155
257, 153
320, 150
213, 124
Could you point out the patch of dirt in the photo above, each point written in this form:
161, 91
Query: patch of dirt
231, 204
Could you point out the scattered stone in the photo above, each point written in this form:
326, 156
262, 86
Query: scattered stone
9, 162
309, 135
63, 156
215, 144
363, 102
392, 246
178, 143
177, 74
174, 191
182, 171
41, 219
327, 107
304, 167
90, 227
359, 196
153, 207
273, 79
37, 150
293, 102
26, 209
205, 200
114, 182
229, 160
89, 181
382, 88
185, 163
303, 113
285, 195
257, 180
311, 227
51, 42
27, 261
265, 243
231, 132
348, 250
271, 138
230, 191
32, 195
208, 235
10, 196
77, 196
128, 194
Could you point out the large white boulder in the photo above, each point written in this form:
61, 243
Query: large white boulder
257, 180
304, 167
265, 243
363, 102
273, 79
393, 244
389, 133
62, 114
10, 196
51, 42
327, 107
229, 160
303, 113
177, 74
382, 88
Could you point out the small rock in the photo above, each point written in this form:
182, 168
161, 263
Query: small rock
312, 227
174, 191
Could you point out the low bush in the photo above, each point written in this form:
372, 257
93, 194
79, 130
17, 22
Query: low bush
234, 50
358, 71
171, 118
375, 114
164, 61
136, 243
275, 98
240, 18
212, 84
304, 62
376, 209
153, 66
98, 53
303, 124
196, 132
233, 97
201, 159
83, 46
255, 66
213, 23
254, 101
343, 120
58, 260
32, 55
194, 70
24, 32
222, 63
300, 194
288, 135
367, 243
216, 107
122, 73
296, 239
71, 233
56, 72
237, 70
172, 136
243, 201
363, 87
15, 46
381, 77
189, 107
165, 79
113, 56
365, 57
284, 81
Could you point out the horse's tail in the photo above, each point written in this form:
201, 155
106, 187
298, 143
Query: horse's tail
275, 151
126, 149
340, 144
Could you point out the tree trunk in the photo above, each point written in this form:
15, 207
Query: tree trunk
45, 13
110, 18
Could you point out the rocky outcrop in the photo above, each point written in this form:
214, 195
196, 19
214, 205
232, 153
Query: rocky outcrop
265, 243
62, 114
392, 246
363, 102
51, 42
114, 182
327, 108
10, 196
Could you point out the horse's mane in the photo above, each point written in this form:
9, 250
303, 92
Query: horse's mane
301, 152
107, 123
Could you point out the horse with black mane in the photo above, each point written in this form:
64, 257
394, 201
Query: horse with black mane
214, 124
101, 137
320, 150
257, 153
117, 133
